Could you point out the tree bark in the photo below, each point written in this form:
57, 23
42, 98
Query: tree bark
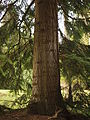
46, 80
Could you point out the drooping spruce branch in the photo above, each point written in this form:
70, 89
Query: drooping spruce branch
26, 12
8, 7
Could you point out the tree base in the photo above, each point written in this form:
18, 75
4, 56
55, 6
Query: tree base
48, 107
40, 108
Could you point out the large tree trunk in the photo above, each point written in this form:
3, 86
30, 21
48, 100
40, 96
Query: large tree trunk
46, 84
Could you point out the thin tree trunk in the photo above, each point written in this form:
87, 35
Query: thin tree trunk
70, 97
46, 80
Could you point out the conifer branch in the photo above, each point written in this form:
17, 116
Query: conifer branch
7, 9
23, 17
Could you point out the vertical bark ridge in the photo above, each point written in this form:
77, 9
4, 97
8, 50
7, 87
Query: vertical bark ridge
45, 84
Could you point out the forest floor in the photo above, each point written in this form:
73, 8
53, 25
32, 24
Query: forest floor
23, 115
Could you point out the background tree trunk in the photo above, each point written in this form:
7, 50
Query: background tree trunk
46, 83
70, 97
